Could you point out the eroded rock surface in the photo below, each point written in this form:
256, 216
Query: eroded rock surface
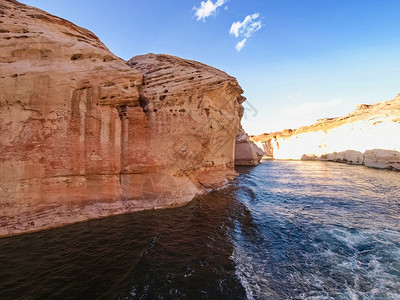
78, 140
370, 135
247, 153
194, 111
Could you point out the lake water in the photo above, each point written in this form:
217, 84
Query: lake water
281, 230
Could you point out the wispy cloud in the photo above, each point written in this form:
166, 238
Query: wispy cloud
240, 45
298, 94
245, 29
207, 8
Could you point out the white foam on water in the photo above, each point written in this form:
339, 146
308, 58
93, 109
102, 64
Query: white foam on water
243, 271
251, 274
351, 243
365, 274
374, 271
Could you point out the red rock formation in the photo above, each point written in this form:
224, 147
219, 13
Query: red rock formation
194, 111
78, 141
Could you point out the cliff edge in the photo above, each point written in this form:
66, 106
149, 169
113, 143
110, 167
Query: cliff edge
84, 134
370, 136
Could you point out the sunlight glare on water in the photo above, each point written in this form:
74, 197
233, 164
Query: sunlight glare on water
321, 231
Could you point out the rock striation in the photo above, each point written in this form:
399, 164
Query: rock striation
247, 153
368, 136
194, 111
84, 134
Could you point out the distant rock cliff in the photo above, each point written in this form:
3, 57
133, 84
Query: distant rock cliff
85, 135
370, 135
247, 153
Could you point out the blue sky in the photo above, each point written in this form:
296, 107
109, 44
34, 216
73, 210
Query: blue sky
302, 59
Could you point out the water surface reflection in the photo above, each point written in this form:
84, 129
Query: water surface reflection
281, 230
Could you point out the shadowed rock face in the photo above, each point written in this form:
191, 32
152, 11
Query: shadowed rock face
370, 135
247, 153
78, 140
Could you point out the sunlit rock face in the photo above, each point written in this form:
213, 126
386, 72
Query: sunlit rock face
78, 140
193, 113
247, 153
370, 136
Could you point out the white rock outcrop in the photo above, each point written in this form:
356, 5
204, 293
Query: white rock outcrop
370, 135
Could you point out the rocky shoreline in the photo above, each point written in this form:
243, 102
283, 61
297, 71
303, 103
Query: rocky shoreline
85, 134
368, 136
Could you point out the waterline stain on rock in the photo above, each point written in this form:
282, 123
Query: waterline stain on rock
84, 135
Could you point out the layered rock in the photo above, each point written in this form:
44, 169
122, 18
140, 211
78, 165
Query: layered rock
194, 111
370, 135
78, 140
247, 153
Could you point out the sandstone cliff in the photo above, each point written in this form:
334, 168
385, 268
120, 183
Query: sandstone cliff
84, 135
195, 112
370, 135
247, 153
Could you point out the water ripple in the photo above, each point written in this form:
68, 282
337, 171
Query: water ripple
281, 230
328, 231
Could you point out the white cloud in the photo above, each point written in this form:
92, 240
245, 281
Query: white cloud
298, 94
240, 45
245, 29
207, 8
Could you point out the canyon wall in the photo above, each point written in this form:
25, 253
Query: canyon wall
370, 136
84, 134
194, 111
247, 153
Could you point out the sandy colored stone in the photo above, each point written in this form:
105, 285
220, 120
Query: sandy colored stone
247, 153
77, 139
194, 111
370, 135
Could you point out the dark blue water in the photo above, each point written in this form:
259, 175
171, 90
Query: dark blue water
281, 230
